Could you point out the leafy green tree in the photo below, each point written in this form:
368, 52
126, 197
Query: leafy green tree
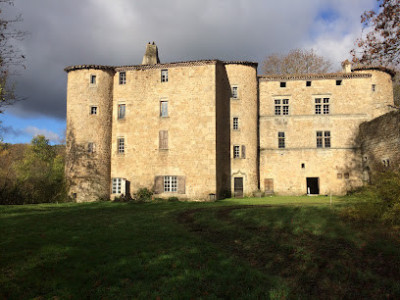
40, 174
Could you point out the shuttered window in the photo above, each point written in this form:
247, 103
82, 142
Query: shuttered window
169, 184
243, 151
163, 139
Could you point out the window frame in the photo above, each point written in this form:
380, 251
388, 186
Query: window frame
281, 140
121, 145
93, 80
281, 106
116, 185
93, 110
164, 75
236, 151
170, 184
235, 123
122, 77
162, 115
324, 139
91, 146
120, 115
235, 92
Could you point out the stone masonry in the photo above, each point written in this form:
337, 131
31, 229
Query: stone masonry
209, 129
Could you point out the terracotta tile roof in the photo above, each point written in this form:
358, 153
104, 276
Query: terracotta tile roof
160, 66
313, 76
391, 72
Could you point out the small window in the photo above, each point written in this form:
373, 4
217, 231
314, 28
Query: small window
281, 140
386, 163
346, 175
235, 123
163, 139
117, 185
121, 111
308, 83
235, 94
74, 195
91, 147
163, 109
92, 79
122, 77
164, 75
338, 82
170, 184
303, 166
236, 151
374, 87
283, 84
121, 145
93, 110
339, 175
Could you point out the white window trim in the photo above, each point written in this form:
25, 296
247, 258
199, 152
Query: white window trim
161, 101
118, 185
170, 184
121, 103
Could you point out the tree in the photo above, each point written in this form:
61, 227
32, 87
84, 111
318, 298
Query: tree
297, 61
381, 45
11, 57
40, 174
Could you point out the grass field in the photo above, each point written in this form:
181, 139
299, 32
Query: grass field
269, 248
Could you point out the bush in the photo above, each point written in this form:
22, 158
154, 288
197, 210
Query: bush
143, 195
173, 199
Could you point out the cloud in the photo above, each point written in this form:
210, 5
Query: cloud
31, 131
64, 33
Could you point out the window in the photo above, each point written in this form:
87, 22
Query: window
323, 139
164, 75
92, 79
338, 82
235, 92
281, 140
163, 139
121, 145
122, 77
374, 87
386, 163
236, 151
322, 106
283, 84
235, 123
346, 175
339, 175
303, 165
281, 106
121, 111
93, 110
117, 185
326, 106
91, 147
170, 184
308, 83
164, 109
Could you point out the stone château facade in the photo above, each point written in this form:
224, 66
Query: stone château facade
210, 129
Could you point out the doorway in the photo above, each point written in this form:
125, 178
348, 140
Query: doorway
238, 186
312, 186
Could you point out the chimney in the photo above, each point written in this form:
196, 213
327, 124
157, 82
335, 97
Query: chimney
151, 55
346, 66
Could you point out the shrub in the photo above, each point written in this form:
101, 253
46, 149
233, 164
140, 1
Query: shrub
173, 199
143, 195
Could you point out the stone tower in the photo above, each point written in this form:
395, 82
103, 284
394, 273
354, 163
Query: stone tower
88, 138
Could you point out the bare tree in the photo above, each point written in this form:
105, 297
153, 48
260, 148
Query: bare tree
381, 45
11, 57
297, 61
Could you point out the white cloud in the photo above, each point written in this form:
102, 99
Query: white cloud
51, 135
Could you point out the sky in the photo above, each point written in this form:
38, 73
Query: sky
72, 32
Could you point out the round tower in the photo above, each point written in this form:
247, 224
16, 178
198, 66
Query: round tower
88, 136
242, 77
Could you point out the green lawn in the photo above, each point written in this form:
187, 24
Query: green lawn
274, 247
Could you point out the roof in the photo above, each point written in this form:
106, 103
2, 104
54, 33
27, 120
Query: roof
391, 72
160, 66
313, 76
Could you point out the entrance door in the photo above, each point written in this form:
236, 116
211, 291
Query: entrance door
313, 185
238, 187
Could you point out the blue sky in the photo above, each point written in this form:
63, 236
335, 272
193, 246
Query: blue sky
116, 33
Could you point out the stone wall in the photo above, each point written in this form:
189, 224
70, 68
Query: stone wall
379, 140
338, 167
